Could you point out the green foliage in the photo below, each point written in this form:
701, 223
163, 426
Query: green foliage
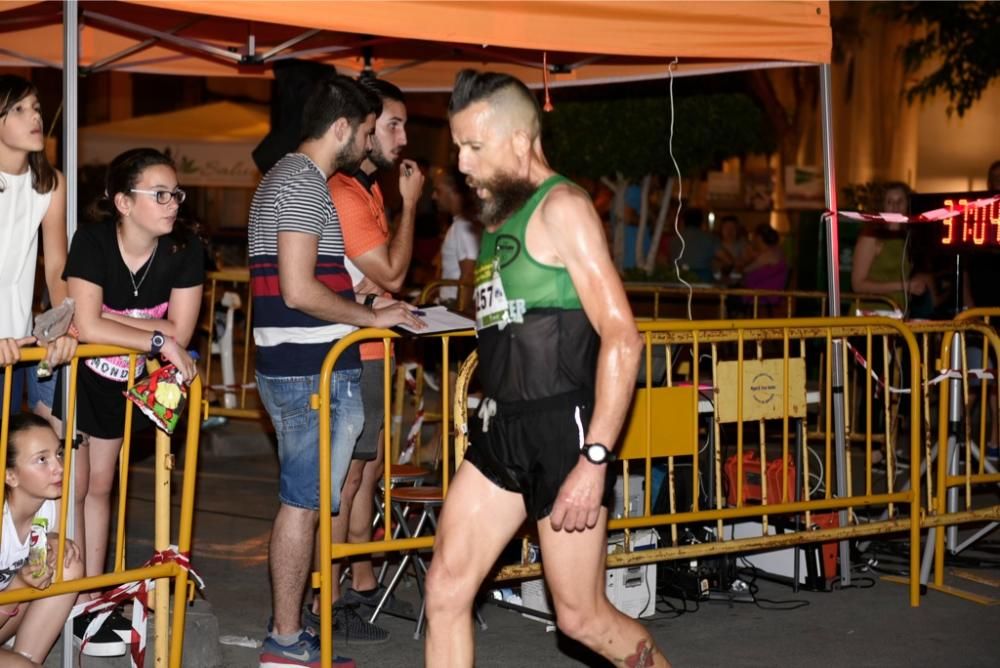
962, 39
600, 138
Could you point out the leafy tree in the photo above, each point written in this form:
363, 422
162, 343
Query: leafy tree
620, 141
961, 41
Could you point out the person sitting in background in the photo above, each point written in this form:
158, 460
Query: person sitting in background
461, 241
765, 267
694, 248
881, 263
732, 246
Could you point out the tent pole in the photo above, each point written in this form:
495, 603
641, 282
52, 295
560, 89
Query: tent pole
71, 64
833, 286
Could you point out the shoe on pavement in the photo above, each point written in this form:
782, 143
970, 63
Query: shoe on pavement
392, 606
305, 652
348, 626
120, 625
105, 642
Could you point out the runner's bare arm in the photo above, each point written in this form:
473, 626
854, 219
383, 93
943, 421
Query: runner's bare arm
577, 240
572, 233
302, 291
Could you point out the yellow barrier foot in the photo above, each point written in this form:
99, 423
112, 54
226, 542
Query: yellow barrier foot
981, 578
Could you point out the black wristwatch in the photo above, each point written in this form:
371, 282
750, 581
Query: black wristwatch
370, 300
597, 453
156, 343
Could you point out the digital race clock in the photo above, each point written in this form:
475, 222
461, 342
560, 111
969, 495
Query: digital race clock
971, 229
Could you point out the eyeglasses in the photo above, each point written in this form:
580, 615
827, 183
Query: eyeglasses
163, 196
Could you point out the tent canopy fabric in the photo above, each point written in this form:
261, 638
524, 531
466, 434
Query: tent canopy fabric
210, 144
420, 44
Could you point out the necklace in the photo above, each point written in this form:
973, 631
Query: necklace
131, 276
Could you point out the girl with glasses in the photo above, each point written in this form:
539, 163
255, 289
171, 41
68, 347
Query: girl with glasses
136, 275
32, 200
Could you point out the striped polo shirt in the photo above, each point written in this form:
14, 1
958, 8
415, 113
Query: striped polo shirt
293, 197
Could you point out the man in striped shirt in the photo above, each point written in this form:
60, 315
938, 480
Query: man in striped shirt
383, 259
303, 303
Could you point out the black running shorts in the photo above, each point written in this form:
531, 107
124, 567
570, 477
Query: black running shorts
530, 447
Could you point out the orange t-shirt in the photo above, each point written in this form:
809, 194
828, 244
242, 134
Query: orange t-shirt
364, 226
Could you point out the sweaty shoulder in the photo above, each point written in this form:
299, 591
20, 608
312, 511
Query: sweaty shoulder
566, 204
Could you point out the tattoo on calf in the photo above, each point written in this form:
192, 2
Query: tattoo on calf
643, 656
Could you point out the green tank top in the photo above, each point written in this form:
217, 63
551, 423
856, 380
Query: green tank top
535, 341
527, 283
889, 265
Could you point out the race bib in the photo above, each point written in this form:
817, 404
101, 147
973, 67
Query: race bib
491, 301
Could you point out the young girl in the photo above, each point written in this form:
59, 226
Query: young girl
32, 196
28, 549
136, 276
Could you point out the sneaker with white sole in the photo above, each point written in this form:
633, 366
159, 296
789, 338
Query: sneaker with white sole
305, 652
104, 642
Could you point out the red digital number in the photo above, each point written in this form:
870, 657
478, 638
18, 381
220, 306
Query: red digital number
949, 223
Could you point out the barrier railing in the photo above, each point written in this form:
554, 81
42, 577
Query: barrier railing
728, 303
233, 383
165, 566
967, 427
765, 387
432, 290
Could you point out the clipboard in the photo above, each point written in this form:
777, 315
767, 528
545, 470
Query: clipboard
439, 320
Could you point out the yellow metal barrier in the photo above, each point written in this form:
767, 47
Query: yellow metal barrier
958, 442
745, 350
168, 646
712, 303
430, 292
233, 385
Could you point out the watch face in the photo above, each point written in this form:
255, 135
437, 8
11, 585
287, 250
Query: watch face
596, 453
158, 341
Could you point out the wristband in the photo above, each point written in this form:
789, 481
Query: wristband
370, 301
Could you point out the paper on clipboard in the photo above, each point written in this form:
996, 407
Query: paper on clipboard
439, 319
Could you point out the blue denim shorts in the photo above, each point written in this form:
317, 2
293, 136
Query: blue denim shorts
286, 399
39, 389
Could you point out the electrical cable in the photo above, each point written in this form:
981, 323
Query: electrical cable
680, 192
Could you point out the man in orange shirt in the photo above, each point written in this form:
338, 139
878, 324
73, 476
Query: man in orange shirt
383, 259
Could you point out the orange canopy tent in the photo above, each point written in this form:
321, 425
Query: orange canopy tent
419, 45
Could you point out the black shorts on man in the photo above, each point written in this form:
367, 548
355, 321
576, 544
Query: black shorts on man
530, 447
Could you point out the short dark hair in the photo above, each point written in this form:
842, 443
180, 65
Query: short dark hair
767, 234
473, 86
384, 89
19, 424
693, 218
337, 97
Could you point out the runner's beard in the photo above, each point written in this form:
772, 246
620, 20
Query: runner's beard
508, 194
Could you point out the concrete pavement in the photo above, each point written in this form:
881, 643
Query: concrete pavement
874, 626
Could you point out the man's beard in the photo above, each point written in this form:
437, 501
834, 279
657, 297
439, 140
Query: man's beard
379, 158
345, 160
508, 193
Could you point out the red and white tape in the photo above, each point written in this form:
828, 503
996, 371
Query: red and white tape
925, 217
138, 593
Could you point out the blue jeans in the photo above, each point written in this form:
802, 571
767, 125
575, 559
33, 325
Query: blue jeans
39, 389
286, 399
